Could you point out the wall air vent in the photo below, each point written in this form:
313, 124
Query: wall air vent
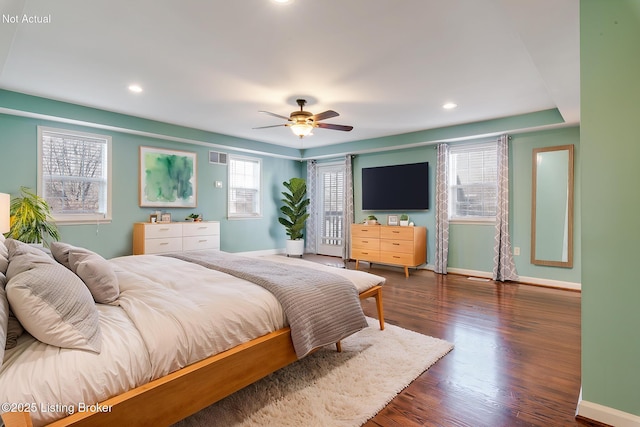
217, 158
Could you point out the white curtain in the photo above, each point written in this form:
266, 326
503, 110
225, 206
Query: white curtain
348, 213
503, 266
311, 237
442, 209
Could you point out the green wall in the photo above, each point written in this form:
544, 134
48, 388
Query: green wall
18, 145
471, 245
610, 149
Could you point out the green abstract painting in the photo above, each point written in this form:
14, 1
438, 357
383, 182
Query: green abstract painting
167, 178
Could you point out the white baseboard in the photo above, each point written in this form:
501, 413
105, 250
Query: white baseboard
522, 279
606, 415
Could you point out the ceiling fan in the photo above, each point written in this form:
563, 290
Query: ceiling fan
302, 122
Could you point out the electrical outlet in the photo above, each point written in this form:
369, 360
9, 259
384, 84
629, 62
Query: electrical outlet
516, 250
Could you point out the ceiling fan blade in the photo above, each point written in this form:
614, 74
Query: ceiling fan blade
334, 127
272, 126
324, 115
275, 115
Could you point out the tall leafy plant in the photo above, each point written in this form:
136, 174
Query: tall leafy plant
294, 208
31, 219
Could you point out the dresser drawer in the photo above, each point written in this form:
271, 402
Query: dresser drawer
398, 233
200, 228
365, 231
365, 243
403, 246
365, 255
157, 246
153, 231
397, 258
193, 243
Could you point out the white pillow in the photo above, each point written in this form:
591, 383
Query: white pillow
4, 316
4, 256
52, 303
97, 274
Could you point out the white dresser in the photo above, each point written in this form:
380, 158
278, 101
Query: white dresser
157, 238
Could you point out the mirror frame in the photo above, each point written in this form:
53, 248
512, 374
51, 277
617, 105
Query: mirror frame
570, 183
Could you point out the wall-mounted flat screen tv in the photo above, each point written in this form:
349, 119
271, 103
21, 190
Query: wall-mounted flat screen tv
396, 188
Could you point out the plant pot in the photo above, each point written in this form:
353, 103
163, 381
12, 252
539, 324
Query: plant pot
295, 247
404, 223
372, 221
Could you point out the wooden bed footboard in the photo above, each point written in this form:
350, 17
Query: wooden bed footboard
173, 397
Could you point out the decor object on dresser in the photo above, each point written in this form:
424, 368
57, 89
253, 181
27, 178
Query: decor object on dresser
31, 219
167, 178
194, 217
371, 220
404, 220
392, 219
405, 246
156, 238
295, 214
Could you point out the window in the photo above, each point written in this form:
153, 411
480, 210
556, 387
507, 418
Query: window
74, 174
473, 176
244, 187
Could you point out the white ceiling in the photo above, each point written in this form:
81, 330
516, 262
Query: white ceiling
387, 66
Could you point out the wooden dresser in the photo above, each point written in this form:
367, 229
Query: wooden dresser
405, 246
156, 238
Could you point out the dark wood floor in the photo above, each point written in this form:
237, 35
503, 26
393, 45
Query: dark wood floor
516, 360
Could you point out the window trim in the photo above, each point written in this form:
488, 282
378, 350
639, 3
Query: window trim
469, 220
236, 216
72, 219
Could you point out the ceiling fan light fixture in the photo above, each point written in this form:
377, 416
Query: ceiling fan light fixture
301, 129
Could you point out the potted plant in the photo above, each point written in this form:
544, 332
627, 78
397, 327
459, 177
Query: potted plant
193, 218
371, 220
295, 214
404, 220
31, 219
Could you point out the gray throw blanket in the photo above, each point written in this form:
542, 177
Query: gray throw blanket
321, 308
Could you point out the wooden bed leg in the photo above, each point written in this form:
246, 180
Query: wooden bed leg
378, 297
17, 419
339, 347
376, 292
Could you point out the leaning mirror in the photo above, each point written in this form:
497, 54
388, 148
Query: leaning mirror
552, 207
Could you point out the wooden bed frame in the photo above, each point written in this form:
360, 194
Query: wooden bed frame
173, 397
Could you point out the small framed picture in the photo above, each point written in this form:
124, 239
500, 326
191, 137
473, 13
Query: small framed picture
153, 218
166, 217
392, 220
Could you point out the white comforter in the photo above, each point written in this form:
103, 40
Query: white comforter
170, 313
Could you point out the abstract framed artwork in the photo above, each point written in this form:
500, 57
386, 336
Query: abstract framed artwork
167, 178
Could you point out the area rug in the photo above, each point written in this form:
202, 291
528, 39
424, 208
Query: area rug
328, 388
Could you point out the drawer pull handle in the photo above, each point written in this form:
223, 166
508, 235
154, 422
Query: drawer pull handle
397, 257
202, 241
164, 229
393, 231
396, 244
163, 243
202, 228
365, 241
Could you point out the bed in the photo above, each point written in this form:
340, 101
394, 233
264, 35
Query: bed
173, 336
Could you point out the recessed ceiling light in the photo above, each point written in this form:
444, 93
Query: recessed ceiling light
449, 106
135, 88
282, 1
